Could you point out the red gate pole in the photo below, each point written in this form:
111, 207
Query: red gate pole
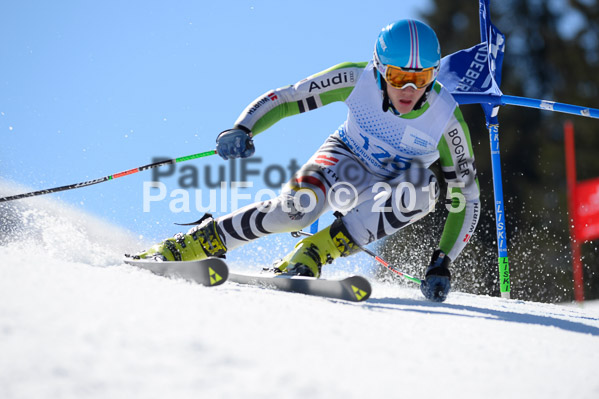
572, 204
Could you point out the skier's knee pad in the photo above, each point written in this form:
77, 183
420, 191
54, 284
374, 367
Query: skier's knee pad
301, 204
288, 212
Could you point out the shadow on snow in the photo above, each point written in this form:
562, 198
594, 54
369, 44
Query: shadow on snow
424, 307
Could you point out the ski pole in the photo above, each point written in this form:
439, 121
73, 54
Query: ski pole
110, 177
375, 256
388, 266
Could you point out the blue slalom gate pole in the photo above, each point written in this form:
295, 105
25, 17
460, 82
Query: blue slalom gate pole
504, 269
495, 100
314, 227
495, 46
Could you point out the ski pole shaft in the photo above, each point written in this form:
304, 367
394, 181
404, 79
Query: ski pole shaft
388, 266
378, 259
110, 177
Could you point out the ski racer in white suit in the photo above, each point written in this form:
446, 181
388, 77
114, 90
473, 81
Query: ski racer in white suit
400, 121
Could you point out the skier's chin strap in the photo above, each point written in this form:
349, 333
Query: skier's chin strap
387, 105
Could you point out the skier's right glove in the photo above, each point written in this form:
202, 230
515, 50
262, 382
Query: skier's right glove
437, 280
235, 143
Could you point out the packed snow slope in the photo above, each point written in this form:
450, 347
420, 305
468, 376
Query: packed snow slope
75, 322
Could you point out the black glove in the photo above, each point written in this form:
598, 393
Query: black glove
235, 143
437, 280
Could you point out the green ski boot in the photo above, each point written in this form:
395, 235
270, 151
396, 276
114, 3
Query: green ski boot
200, 242
311, 253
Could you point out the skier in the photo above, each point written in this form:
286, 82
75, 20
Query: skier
400, 121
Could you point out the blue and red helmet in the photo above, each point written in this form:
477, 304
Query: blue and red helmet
407, 52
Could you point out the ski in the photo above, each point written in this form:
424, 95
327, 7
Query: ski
209, 272
354, 288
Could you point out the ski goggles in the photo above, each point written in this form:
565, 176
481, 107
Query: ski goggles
400, 78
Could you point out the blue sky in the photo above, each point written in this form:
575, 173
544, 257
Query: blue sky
89, 89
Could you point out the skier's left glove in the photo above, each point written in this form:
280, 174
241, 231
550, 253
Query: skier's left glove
437, 280
235, 143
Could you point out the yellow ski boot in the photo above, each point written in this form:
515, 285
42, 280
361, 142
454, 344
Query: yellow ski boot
311, 253
200, 242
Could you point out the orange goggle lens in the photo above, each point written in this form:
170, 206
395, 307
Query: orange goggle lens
399, 78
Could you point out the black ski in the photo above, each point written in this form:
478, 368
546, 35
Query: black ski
209, 272
354, 288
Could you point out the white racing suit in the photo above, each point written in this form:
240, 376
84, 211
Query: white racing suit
373, 169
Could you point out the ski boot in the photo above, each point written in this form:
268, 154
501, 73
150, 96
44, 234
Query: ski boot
311, 253
200, 242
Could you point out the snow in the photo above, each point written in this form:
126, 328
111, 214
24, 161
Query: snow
75, 322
